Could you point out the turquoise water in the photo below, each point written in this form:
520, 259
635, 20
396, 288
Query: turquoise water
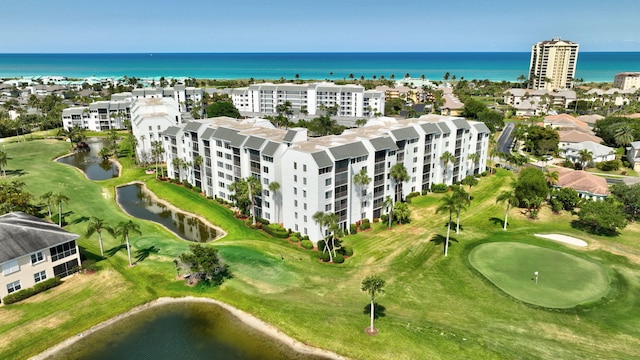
592, 66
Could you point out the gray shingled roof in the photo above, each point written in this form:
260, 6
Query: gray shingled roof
348, 151
322, 159
229, 135
405, 133
193, 126
444, 127
22, 234
254, 143
289, 136
383, 143
206, 134
431, 128
461, 124
481, 127
270, 148
171, 131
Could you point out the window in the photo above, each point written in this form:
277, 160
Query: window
305, 217
219, 153
295, 215
265, 169
265, 181
295, 203
304, 167
267, 205
66, 269
218, 143
14, 286
220, 174
295, 166
150, 127
39, 276
304, 206
327, 195
327, 182
304, 181
37, 257
220, 164
304, 193
295, 191
227, 156
265, 192
10, 267
295, 178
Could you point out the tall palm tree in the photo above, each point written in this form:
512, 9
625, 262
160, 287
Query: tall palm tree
274, 187
361, 180
446, 158
3, 162
399, 175
48, 199
585, 156
388, 205
624, 135
474, 158
96, 225
156, 151
469, 181
372, 284
60, 198
463, 200
511, 199
254, 188
177, 165
551, 176
123, 230
448, 203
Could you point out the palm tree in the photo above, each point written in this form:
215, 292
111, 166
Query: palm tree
254, 188
399, 175
469, 181
511, 199
321, 218
3, 162
551, 176
462, 201
585, 156
474, 158
624, 135
446, 158
48, 199
123, 229
361, 180
388, 205
274, 186
177, 164
156, 151
372, 284
96, 225
448, 203
60, 198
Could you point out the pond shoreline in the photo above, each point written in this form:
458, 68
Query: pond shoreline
243, 316
219, 231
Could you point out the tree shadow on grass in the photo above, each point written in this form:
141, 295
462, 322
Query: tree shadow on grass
114, 250
144, 253
497, 221
16, 172
378, 310
79, 220
580, 225
440, 240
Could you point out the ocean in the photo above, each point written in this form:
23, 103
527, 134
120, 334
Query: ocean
494, 66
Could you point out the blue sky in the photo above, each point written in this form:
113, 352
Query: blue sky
32, 26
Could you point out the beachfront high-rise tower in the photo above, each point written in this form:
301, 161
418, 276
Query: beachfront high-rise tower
553, 64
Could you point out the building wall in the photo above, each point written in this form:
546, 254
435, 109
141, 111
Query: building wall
556, 60
628, 80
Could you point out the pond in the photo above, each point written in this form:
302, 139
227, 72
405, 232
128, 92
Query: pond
184, 330
138, 202
90, 163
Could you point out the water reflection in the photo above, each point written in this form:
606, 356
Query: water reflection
137, 202
90, 163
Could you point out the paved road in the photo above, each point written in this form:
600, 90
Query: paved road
506, 138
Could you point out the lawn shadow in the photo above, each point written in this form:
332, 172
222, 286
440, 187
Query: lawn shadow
440, 239
79, 220
378, 310
144, 253
16, 172
497, 221
114, 250
577, 224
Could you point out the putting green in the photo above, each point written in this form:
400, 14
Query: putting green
564, 280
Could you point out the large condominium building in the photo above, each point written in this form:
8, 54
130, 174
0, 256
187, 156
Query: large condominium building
352, 100
107, 115
316, 174
149, 118
553, 65
627, 80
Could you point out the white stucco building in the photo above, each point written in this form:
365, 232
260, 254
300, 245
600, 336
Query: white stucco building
316, 174
149, 118
627, 80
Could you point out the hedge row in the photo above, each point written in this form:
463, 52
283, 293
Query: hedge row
276, 230
27, 293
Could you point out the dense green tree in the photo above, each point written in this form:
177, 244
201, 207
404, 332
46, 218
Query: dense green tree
531, 184
629, 196
624, 135
204, 263
609, 130
372, 285
222, 108
3, 162
585, 156
568, 197
401, 212
602, 217
472, 108
542, 140
393, 106
48, 200
13, 197
469, 181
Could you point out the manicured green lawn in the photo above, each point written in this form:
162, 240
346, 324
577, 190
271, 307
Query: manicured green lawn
563, 280
434, 307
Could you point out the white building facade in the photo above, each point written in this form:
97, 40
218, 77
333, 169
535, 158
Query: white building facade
627, 80
149, 118
316, 174
351, 100
553, 64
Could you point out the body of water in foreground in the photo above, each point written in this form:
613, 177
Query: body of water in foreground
91, 163
185, 331
494, 66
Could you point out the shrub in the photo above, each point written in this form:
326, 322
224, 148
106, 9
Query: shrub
324, 256
321, 245
294, 239
439, 188
89, 265
412, 195
384, 218
347, 251
276, 230
611, 165
375, 220
27, 293
306, 244
425, 192
365, 224
353, 229
262, 221
186, 184
338, 259
306, 237
197, 189
484, 173
556, 205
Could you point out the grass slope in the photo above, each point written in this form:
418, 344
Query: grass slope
434, 307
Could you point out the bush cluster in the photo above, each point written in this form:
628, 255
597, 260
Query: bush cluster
611, 165
276, 230
353, 229
307, 244
27, 293
365, 224
187, 185
439, 188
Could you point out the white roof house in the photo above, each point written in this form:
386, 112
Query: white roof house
599, 152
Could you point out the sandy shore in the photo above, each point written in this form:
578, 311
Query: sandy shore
246, 318
219, 231
563, 239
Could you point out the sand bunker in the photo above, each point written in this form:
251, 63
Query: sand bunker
563, 238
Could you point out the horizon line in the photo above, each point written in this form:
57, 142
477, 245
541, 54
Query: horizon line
288, 52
